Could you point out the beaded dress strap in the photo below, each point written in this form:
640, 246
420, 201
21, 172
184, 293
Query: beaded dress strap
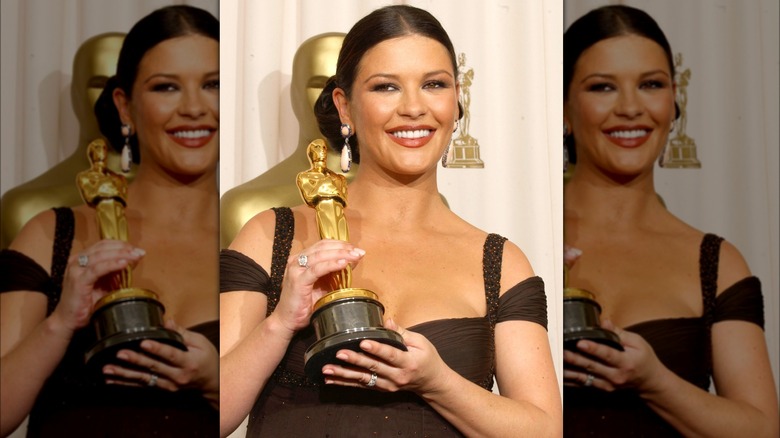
708, 273
64, 230
283, 237
492, 255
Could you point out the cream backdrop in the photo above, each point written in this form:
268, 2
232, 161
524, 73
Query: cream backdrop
732, 49
39, 40
514, 48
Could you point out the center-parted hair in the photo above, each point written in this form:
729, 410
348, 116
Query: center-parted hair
160, 25
381, 25
601, 24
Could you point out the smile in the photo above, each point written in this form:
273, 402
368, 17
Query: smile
192, 138
419, 133
192, 134
634, 133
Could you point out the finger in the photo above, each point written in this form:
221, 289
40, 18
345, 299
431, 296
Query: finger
117, 375
348, 376
377, 350
604, 353
146, 362
168, 353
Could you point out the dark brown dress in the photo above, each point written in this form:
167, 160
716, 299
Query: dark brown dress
290, 405
75, 402
682, 344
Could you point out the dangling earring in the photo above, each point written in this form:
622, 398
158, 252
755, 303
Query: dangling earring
346, 152
449, 153
127, 153
565, 149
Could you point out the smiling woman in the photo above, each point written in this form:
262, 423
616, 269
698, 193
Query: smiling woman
163, 103
466, 303
683, 302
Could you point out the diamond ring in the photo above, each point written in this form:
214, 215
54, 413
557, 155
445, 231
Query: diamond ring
83, 260
372, 381
589, 379
152, 380
303, 261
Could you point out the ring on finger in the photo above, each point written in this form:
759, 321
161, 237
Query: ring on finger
372, 380
303, 261
152, 380
589, 379
83, 260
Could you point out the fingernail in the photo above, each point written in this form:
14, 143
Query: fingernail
341, 356
359, 252
146, 345
328, 381
138, 252
327, 371
122, 355
341, 261
108, 370
365, 345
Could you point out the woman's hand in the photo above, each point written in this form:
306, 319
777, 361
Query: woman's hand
87, 279
169, 368
420, 369
305, 283
637, 367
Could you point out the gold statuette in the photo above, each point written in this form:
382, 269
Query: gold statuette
345, 316
465, 147
681, 151
127, 315
581, 318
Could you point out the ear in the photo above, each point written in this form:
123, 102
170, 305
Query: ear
342, 105
122, 104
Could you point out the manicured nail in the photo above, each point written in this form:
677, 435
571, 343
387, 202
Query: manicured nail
138, 252
359, 252
365, 345
341, 356
122, 355
327, 371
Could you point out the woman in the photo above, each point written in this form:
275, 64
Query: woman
683, 302
396, 89
164, 101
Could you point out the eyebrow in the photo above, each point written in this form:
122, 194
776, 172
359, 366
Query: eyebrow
395, 77
175, 76
611, 76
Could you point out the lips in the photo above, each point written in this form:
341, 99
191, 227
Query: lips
412, 137
628, 137
192, 137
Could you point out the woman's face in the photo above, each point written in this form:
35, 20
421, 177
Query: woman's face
174, 107
621, 105
404, 104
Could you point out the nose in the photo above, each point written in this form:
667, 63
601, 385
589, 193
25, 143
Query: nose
412, 104
192, 104
629, 104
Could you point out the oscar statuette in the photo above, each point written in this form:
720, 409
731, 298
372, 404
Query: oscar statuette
581, 318
126, 315
345, 316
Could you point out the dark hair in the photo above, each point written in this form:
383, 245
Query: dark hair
383, 24
600, 24
161, 25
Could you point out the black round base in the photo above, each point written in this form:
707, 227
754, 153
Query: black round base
595, 334
105, 350
324, 350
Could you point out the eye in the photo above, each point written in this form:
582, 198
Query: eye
212, 84
652, 84
601, 87
435, 84
164, 87
385, 86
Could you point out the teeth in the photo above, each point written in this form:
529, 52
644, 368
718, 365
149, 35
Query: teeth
635, 133
420, 133
192, 134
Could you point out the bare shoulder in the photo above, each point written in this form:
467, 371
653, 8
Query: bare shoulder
255, 239
732, 266
515, 266
36, 238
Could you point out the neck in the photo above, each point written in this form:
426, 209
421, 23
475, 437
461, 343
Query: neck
189, 202
396, 202
612, 203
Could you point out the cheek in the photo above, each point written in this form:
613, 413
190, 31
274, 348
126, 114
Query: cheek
592, 111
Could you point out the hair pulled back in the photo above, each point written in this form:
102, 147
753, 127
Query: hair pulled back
600, 24
382, 24
160, 25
